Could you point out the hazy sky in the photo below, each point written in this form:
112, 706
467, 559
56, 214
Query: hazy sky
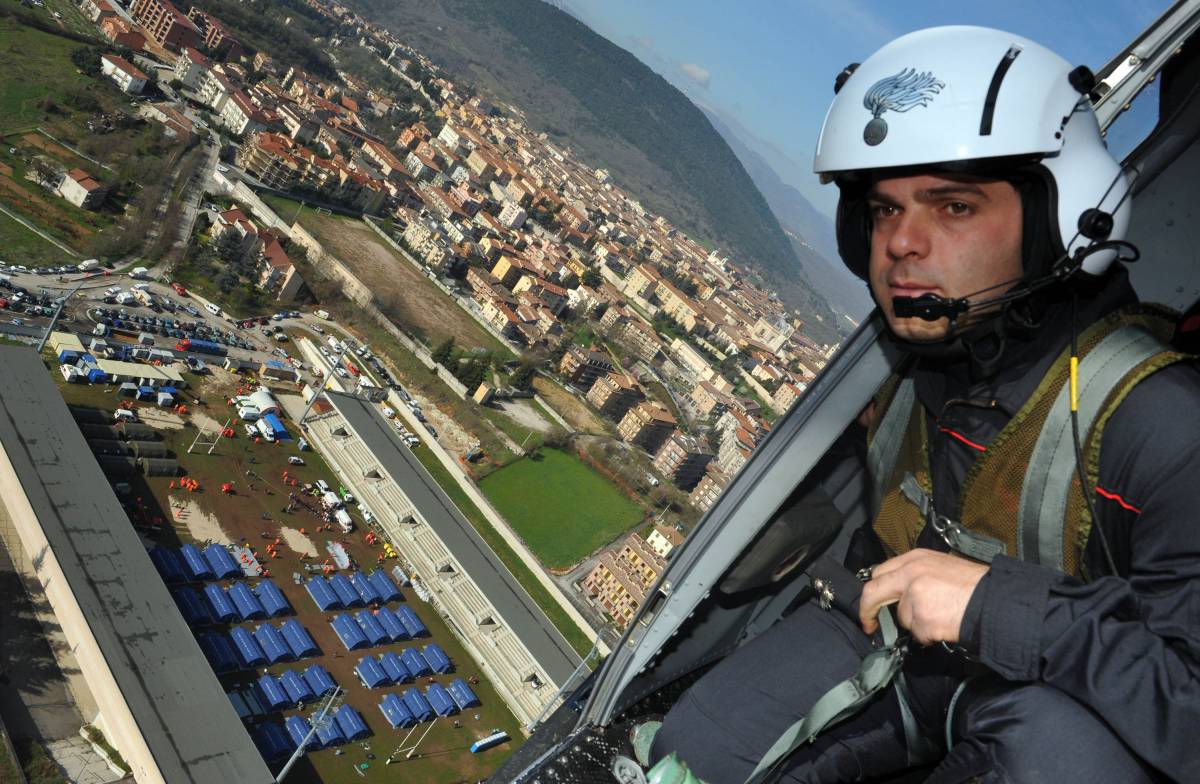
770, 64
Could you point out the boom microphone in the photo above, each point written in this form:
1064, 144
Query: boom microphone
930, 307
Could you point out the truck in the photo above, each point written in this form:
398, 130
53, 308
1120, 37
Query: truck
88, 265
100, 330
344, 520
201, 346
140, 273
180, 290
334, 344
144, 297
266, 431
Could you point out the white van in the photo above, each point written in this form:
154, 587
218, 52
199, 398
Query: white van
389, 412
322, 485
124, 415
213, 309
249, 413
322, 314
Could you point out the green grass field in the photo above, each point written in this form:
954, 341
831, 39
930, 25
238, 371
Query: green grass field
19, 245
561, 508
35, 65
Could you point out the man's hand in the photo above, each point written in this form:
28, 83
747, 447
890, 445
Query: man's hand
932, 590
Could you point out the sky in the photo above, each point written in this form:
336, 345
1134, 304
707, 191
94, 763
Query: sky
769, 65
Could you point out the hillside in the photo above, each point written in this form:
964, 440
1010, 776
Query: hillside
614, 112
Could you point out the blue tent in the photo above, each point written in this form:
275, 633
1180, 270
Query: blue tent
298, 729
247, 604
372, 628
197, 565
319, 680
396, 712
387, 590
276, 426
222, 607
400, 576
273, 600
463, 694
248, 649
169, 564
191, 606
68, 356
96, 376
296, 687
330, 734
274, 693
418, 705
365, 588
415, 662
145, 392
412, 623
348, 632
391, 624
298, 639
218, 651
371, 673
222, 562
322, 594
437, 658
272, 742
351, 724
394, 667
345, 591
440, 699
273, 644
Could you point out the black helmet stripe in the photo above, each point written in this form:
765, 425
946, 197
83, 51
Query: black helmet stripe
989, 102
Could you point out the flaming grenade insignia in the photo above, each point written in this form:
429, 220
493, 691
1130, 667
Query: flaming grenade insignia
898, 93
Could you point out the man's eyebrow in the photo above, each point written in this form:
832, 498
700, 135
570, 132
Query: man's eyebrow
933, 194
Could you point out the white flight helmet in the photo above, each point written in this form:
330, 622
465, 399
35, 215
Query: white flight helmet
972, 98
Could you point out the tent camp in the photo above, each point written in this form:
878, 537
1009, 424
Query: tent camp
319, 679
351, 723
418, 705
330, 734
273, 692
345, 591
273, 600
372, 628
117, 465
220, 603
391, 624
273, 644
148, 448
393, 665
412, 624
296, 687
437, 658
273, 421
197, 564
247, 604
136, 431
272, 742
440, 700
298, 639
169, 565
414, 662
218, 651
191, 606
298, 729
222, 563
365, 588
104, 446
463, 694
349, 632
371, 674
387, 590
396, 712
158, 466
322, 594
248, 649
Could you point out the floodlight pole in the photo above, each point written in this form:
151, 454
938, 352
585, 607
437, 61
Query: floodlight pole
57, 311
337, 362
566, 684
323, 715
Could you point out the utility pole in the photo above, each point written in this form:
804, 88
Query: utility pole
595, 651
337, 362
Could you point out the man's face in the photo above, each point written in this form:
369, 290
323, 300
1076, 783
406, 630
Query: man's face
947, 235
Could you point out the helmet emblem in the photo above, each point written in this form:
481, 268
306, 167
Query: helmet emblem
898, 93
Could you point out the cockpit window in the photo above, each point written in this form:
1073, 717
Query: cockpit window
1134, 124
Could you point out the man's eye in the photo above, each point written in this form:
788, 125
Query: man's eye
958, 208
882, 211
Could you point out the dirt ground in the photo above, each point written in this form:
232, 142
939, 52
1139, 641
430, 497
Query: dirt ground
201, 525
408, 297
570, 407
524, 414
161, 419
298, 541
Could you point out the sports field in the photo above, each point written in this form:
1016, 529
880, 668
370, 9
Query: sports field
561, 508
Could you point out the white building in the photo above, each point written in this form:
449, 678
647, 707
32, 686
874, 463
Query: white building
121, 71
512, 215
191, 67
240, 116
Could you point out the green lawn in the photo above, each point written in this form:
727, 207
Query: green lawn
35, 65
561, 508
19, 245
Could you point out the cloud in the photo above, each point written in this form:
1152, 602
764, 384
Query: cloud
696, 73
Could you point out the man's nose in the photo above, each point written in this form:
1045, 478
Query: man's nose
909, 237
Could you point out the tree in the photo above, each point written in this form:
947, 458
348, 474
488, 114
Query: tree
229, 249
86, 59
227, 281
522, 377
443, 351
591, 278
471, 374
